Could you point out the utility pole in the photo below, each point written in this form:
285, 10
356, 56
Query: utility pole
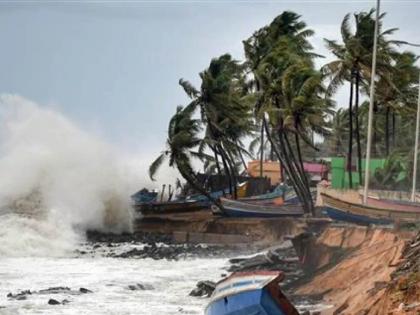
416, 148
372, 100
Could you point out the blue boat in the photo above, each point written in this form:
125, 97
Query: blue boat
279, 191
214, 194
290, 196
340, 215
144, 196
250, 293
234, 208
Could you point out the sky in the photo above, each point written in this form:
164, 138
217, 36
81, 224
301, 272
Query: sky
113, 66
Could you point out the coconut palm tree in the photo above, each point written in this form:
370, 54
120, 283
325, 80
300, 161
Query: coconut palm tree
272, 52
225, 112
181, 144
339, 132
260, 45
353, 64
396, 90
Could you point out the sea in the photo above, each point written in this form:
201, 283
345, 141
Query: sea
57, 182
167, 283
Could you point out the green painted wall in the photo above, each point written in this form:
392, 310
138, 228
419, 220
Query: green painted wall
340, 177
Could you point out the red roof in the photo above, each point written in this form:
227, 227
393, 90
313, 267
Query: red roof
316, 168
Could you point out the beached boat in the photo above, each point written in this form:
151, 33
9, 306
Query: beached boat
374, 212
398, 205
214, 194
153, 208
276, 197
290, 196
235, 208
250, 293
144, 195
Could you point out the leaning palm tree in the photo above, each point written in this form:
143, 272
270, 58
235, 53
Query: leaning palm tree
293, 105
181, 146
225, 112
260, 45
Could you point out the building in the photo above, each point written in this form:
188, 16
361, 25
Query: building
340, 175
271, 170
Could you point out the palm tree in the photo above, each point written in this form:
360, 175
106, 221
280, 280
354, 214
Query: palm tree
271, 52
225, 111
181, 143
261, 44
353, 64
339, 131
396, 89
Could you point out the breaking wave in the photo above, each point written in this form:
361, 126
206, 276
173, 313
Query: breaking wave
56, 182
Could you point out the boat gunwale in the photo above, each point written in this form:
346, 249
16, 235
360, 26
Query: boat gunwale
374, 211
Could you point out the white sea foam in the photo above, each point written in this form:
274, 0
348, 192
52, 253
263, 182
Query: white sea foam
56, 179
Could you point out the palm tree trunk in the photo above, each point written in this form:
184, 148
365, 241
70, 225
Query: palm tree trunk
305, 177
262, 148
393, 129
356, 118
374, 127
306, 194
227, 171
350, 149
219, 170
233, 173
242, 158
387, 137
299, 153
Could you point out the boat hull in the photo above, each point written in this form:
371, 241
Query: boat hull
250, 293
340, 215
245, 303
170, 207
234, 208
356, 212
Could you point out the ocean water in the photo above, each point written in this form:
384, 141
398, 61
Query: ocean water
57, 182
108, 279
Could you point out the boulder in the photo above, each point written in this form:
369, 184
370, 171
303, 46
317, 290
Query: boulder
203, 289
53, 302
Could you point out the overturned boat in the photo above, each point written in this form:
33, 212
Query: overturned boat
250, 293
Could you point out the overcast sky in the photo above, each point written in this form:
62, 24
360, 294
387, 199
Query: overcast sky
113, 67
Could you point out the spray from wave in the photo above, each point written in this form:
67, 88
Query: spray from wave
56, 181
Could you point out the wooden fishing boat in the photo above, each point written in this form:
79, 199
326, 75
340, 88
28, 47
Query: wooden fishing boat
250, 293
276, 197
234, 208
154, 208
398, 205
290, 196
143, 196
374, 212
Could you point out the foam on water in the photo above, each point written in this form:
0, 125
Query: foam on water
109, 279
56, 180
